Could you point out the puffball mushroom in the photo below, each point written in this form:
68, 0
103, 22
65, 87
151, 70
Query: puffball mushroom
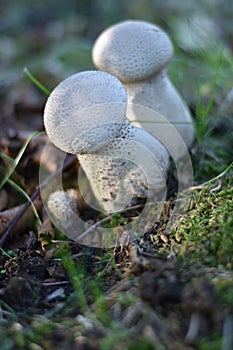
63, 205
138, 54
86, 115
63, 209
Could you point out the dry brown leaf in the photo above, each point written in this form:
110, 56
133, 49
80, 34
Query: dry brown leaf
7, 216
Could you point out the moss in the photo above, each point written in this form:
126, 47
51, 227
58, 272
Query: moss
213, 344
224, 289
204, 235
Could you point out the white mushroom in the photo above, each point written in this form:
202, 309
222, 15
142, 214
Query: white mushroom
63, 204
138, 53
85, 115
63, 207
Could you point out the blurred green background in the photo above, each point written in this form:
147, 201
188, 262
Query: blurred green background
53, 39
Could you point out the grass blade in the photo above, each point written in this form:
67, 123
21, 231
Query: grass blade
36, 82
18, 157
20, 190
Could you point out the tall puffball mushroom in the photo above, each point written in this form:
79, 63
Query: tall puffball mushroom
86, 115
138, 54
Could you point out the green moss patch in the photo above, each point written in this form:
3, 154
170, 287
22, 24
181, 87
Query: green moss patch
204, 235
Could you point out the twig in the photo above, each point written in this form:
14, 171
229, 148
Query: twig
102, 221
211, 181
9, 229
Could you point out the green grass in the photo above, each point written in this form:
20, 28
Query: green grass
76, 276
202, 112
12, 169
35, 81
17, 159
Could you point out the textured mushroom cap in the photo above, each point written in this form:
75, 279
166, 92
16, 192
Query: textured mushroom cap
132, 50
85, 111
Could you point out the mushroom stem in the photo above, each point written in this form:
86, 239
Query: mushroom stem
133, 165
159, 94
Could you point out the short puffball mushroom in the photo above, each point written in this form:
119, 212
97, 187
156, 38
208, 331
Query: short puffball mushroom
63, 210
86, 115
138, 54
62, 205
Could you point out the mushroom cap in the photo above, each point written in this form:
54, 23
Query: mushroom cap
132, 50
85, 111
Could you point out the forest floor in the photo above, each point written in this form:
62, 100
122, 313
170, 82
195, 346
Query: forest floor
169, 288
